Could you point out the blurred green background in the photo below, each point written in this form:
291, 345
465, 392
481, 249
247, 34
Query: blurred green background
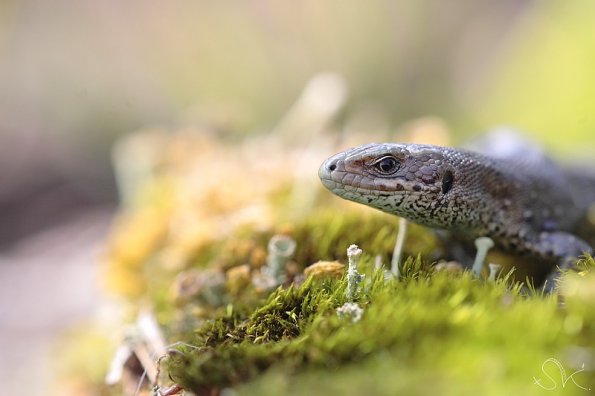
76, 75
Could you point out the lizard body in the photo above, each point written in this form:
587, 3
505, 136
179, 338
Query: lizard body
522, 200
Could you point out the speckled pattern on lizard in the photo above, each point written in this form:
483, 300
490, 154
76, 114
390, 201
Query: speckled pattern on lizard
522, 200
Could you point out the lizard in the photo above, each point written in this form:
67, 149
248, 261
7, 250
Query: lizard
520, 198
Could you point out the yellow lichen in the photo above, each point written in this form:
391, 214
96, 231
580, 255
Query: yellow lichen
322, 269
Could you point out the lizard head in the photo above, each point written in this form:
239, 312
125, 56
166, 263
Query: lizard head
408, 180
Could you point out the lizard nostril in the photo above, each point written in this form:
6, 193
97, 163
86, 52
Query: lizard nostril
329, 168
331, 164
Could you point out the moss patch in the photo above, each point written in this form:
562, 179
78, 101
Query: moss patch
428, 331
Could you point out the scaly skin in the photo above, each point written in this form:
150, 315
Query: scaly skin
526, 204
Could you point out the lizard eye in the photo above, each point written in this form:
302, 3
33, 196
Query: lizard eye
387, 165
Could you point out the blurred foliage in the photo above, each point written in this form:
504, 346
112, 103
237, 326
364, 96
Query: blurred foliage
91, 70
543, 82
83, 353
76, 76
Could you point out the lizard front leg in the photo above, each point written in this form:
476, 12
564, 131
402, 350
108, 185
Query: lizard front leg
560, 247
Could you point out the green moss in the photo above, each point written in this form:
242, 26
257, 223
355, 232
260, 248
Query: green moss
427, 331
326, 235
323, 234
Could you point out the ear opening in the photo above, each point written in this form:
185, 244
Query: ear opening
447, 181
